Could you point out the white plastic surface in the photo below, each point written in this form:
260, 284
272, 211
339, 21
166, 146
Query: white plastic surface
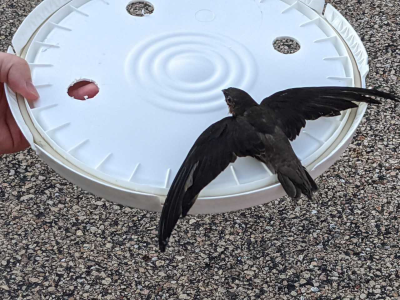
351, 37
317, 5
34, 20
160, 80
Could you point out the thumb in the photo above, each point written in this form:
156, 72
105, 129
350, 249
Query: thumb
16, 73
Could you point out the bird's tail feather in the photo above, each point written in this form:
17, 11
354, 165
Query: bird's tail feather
352, 94
297, 181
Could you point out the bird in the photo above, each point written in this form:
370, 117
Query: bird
262, 131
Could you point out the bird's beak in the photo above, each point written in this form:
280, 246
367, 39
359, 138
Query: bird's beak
225, 92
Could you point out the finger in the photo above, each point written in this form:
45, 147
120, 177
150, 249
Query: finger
83, 90
16, 73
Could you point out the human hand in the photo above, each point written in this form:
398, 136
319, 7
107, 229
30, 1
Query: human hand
16, 73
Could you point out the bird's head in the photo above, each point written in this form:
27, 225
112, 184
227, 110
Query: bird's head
238, 101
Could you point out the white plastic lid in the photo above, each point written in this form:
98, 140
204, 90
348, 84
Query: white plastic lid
160, 78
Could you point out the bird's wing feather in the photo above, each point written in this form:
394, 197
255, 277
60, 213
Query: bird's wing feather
214, 150
291, 108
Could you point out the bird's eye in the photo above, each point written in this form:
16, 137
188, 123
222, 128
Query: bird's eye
229, 100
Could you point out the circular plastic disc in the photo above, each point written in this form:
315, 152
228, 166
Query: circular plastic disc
160, 79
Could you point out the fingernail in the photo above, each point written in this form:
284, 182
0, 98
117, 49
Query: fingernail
31, 89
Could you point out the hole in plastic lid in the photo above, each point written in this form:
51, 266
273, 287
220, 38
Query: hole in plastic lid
83, 89
286, 45
140, 8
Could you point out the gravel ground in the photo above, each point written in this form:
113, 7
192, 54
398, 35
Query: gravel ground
59, 242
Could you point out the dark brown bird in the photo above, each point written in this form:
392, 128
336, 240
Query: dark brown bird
261, 131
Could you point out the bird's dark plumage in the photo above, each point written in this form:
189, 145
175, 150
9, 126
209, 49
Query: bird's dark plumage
261, 131
291, 108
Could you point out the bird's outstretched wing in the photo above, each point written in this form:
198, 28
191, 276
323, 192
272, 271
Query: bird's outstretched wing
214, 150
291, 108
